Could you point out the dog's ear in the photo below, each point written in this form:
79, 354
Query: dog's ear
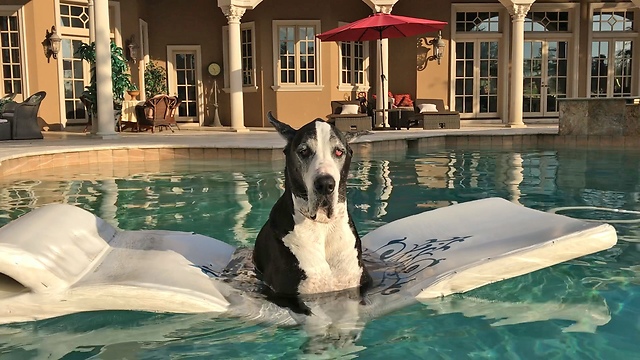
351, 136
286, 131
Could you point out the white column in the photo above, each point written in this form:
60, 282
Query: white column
233, 14
92, 29
105, 119
518, 14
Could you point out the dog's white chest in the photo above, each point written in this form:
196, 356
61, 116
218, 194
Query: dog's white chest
327, 254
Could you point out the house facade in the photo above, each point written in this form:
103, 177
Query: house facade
503, 61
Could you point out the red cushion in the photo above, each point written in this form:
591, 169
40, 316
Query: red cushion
397, 98
406, 101
402, 100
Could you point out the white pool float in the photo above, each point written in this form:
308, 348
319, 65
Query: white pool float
60, 259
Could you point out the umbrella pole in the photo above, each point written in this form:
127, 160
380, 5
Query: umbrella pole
382, 94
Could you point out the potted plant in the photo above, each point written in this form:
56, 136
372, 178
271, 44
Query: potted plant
133, 91
121, 79
155, 80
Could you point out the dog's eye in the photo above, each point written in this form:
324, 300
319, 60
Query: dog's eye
304, 152
339, 152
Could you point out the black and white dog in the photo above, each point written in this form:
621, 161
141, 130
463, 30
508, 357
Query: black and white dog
310, 245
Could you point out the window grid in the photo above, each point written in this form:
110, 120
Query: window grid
74, 77
297, 50
10, 42
488, 77
476, 21
622, 78
247, 57
557, 21
464, 77
532, 87
352, 63
557, 62
287, 63
186, 84
612, 21
599, 68
306, 47
347, 61
75, 16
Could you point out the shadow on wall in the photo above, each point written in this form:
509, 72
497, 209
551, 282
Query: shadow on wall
422, 53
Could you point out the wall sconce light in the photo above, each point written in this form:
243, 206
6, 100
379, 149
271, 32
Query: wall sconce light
132, 48
438, 48
51, 44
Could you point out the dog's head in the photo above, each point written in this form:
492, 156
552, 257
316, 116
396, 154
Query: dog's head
317, 166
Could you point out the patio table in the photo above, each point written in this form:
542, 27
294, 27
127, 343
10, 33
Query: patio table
128, 119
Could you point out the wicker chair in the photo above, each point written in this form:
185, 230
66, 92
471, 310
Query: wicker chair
24, 117
348, 122
159, 111
442, 119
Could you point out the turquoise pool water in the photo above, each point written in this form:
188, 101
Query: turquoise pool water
588, 308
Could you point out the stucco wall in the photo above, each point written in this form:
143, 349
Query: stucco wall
194, 22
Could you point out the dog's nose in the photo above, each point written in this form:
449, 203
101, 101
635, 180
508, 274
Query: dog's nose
324, 184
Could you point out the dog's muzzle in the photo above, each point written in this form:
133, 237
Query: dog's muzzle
324, 185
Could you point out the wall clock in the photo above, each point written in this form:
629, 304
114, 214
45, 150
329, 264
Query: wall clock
213, 69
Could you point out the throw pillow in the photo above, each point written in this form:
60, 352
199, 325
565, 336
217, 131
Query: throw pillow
406, 100
397, 99
426, 108
349, 109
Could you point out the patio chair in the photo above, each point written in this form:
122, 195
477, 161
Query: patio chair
158, 112
23, 117
434, 116
348, 122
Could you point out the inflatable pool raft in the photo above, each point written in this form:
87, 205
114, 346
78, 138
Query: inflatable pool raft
60, 259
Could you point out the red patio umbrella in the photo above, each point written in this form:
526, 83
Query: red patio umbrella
382, 26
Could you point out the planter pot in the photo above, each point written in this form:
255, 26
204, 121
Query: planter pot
133, 93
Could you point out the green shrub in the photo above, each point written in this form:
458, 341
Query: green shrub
155, 80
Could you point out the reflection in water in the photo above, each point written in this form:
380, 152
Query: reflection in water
231, 201
108, 207
585, 317
509, 174
239, 229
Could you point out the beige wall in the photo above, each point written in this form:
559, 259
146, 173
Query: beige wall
298, 108
194, 22
129, 15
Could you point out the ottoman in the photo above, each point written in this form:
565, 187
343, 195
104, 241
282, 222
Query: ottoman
5, 129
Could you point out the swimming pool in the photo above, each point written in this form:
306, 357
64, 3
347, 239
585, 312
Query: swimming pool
588, 308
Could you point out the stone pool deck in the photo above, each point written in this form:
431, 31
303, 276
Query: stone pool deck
64, 149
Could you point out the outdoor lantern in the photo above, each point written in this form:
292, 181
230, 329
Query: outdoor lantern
133, 49
51, 44
438, 47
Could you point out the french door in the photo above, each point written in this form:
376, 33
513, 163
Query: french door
76, 76
476, 78
545, 76
185, 85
